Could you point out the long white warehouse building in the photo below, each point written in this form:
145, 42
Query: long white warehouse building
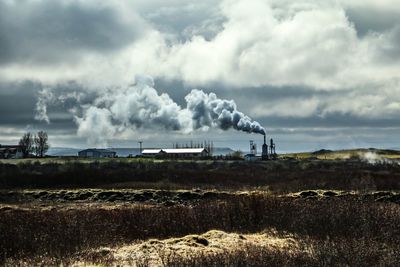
176, 152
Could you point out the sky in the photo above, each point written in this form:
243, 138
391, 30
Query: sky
311, 74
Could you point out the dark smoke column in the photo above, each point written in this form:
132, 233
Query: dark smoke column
210, 111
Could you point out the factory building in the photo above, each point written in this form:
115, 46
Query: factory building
177, 152
153, 152
192, 150
96, 153
251, 157
267, 153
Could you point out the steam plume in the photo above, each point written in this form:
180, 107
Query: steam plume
209, 111
140, 106
48, 96
45, 96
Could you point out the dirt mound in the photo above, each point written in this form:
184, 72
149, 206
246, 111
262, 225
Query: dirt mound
329, 194
98, 195
155, 252
308, 194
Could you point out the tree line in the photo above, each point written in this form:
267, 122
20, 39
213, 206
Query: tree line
37, 144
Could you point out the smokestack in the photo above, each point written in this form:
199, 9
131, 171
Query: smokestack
264, 154
140, 149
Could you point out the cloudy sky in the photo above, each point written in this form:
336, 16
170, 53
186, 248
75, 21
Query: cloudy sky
314, 74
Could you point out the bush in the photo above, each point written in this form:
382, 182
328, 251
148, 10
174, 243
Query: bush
280, 176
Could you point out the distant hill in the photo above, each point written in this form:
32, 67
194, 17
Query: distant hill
321, 151
121, 152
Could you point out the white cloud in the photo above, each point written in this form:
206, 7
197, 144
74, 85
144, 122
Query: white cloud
260, 43
309, 44
290, 107
313, 45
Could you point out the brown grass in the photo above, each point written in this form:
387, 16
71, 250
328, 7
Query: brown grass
331, 231
110, 227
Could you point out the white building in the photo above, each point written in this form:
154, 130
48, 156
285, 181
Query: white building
177, 152
251, 157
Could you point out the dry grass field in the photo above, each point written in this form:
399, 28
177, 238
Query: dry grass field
282, 213
366, 154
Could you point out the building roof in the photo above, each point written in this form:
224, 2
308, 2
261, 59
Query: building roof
151, 151
10, 146
174, 151
101, 150
184, 150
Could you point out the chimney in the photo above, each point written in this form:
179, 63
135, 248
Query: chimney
264, 154
140, 149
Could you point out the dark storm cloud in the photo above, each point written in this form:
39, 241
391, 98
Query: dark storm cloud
47, 31
390, 51
303, 129
274, 93
184, 18
307, 70
17, 102
371, 19
245, 96
267, 96
330, 121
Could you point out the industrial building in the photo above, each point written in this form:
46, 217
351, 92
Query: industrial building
97, 153
10, 152
153, 152
192, 150
267, 153
177, 152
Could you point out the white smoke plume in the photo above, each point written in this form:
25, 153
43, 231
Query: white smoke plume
45, 97
139, 106
96, 126
374, 158
49, 96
